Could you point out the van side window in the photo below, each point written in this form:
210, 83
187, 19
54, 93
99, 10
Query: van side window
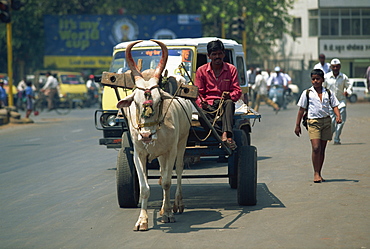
228, 56
241, 70
201, 59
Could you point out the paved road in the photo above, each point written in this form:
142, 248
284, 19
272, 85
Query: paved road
57, 190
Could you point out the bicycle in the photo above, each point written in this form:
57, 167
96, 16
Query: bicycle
62, 106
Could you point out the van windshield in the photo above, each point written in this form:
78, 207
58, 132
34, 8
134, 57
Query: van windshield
151, 57
71, 79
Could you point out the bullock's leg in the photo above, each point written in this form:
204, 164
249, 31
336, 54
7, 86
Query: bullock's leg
167, 162
179, 205
140, 164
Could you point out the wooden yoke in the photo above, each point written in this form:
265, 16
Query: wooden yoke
125, 80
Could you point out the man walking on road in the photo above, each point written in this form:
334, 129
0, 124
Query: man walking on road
324, 66
338, 84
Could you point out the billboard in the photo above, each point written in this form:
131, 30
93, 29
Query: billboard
87, 41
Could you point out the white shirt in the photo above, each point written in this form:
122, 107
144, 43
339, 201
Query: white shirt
22, 85
338, 85
325, 67
260, 86
316, 107
51, 83
276, 79
287, 77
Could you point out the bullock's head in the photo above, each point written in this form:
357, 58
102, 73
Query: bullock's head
146, 98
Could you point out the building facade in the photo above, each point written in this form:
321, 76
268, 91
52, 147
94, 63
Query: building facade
338, 29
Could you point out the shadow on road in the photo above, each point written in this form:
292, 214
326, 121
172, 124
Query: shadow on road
217, 197
340, 180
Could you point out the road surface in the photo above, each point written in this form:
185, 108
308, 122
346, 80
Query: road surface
57, 190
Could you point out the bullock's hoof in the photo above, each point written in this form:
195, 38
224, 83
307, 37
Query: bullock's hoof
141, 227
179, 209
168, 219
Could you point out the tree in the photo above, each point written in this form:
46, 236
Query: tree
266, 21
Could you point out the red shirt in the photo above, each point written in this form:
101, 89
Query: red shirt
211, 88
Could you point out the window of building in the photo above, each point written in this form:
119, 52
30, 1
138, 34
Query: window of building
313, 22
297, 26
339, 22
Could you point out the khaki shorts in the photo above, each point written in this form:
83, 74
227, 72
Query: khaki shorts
320, 128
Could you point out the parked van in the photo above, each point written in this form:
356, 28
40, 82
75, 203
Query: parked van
359, 90
184, 57
71, 85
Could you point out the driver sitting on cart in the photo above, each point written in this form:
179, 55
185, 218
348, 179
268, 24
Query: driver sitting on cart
219, 89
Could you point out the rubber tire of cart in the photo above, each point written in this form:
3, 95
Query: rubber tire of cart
245, 129
128, 189
247, 176
240, 140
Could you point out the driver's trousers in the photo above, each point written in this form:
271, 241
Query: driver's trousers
225, 122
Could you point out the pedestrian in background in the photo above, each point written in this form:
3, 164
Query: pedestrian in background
317, 102
260, 87
50, 89
3, 95
30, 96
21, 87
92, 90
251, 79
367, 76
324, 66
338, 83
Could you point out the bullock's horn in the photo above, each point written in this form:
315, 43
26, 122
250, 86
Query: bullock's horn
130, 61
163, 61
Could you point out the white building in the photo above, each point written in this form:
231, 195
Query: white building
338, 29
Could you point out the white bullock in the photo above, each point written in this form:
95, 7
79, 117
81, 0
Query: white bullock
159, 126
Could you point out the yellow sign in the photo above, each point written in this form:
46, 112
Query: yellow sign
77, 61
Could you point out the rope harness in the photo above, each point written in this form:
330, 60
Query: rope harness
219, 112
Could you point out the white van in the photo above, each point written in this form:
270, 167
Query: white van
359, 90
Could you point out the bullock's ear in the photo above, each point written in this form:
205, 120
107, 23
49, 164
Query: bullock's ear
126, 102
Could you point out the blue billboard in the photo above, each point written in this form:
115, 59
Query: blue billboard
78, 41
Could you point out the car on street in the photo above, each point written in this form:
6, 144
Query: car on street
359, 90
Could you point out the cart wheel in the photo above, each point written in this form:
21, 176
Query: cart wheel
247, 176
126, 177
240, 140
246, 130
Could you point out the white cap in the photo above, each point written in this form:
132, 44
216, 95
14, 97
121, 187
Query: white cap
335, 61
277, 69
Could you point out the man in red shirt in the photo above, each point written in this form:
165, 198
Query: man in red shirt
218, 86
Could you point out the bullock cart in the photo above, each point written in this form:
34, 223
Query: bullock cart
242, 162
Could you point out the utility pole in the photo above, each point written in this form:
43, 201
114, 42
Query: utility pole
223, 29
10, 62
5, 8
244, 33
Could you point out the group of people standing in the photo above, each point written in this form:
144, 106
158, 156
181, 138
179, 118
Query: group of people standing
325, 106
